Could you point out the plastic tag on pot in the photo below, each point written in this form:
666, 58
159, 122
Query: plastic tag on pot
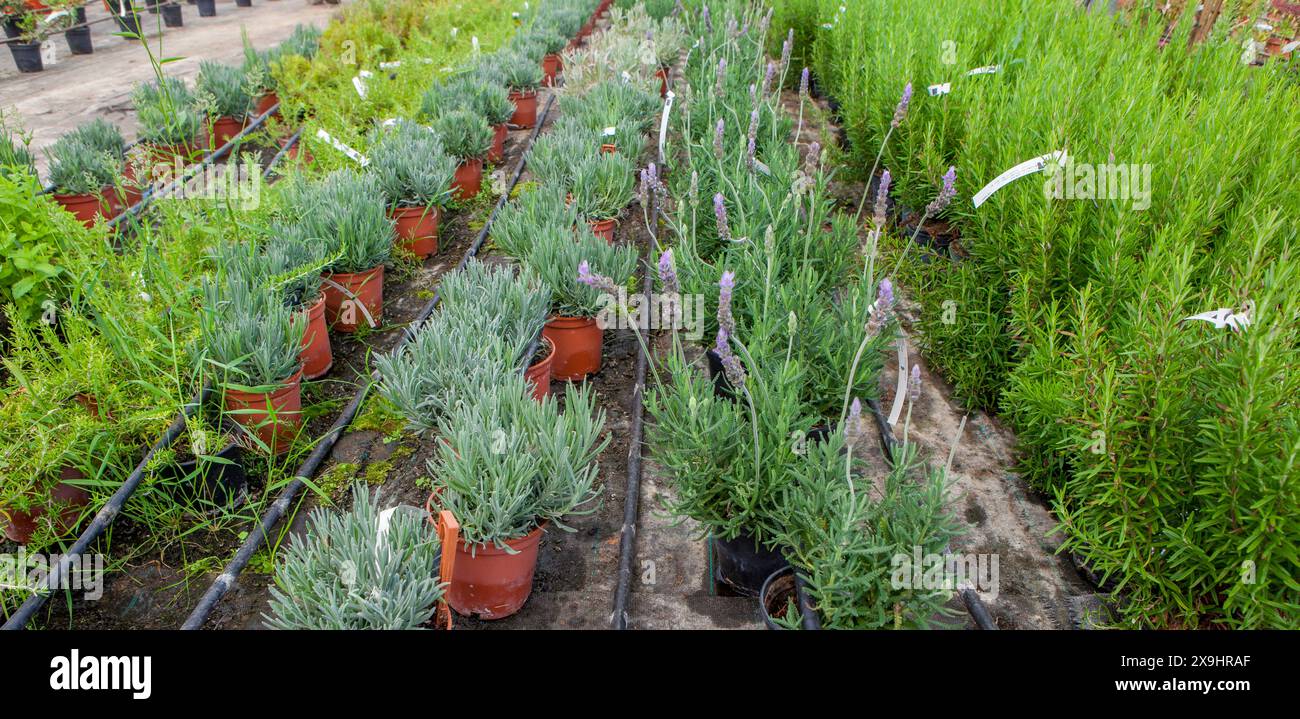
386, 519
1290, 47
986, 70
49, 53
357, 157
663, 120
1028, 167
940, 89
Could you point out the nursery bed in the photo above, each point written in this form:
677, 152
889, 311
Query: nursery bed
1002, 514
160, 591
80, 88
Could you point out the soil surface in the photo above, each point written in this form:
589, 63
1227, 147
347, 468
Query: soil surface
79, 88
1003, 516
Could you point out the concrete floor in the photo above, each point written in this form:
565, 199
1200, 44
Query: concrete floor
79, 88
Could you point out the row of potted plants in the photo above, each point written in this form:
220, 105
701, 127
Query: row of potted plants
766, 451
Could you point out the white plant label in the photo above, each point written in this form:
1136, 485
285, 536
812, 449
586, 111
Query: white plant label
626, 77
49, 55
1290, 47
1028, 167
986, 70
663, 120
1235, 320
473, 41
940, 89
356, 157
454, 32
609, 132
900, 392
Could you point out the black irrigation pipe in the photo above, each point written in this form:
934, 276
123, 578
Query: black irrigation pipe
230, 574
113, 507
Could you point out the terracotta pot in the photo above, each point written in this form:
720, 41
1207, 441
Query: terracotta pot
469, 179
552, 65
265, 103
367, 286
417, 229
19, 526
316, 355
525, 108
497, 152
603, 229
172, 154
273, 416
539, 373
662, 74
578, 345
221, 130
88, 207
608, 148
493, 583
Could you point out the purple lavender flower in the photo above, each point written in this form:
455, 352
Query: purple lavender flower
813, 159
731, 365
721, 74
900, 112
885, 294
803, 83
695, 189
645, 188
720, 211
753, 136
708, 18
787, 47
767, 78
855, 413
882, 197
946, 193
726, 286
598, 282
914, 384
717, 138
668, 273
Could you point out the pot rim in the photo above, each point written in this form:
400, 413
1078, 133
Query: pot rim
282, 387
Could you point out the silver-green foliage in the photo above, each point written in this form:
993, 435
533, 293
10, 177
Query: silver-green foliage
603, 185
249, 337
350, 572
411, 166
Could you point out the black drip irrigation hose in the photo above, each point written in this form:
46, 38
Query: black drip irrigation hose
112, 508
325, 447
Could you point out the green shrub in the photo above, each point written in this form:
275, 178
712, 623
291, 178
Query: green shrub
603, 186
352, 570
411, 166
465, 134
33, 230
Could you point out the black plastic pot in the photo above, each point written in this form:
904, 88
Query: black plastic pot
778, 589
172, 15
217, 482
207, 8
127, 21
11, 28
743, 566
244, 3
721, 387
79, 37
27, 56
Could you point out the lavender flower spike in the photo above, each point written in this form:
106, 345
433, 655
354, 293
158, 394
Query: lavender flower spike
885, 295
767, 79
726, 286
668, 273
598, 282
722, 74
708, 18
786, 49
731, 365
803, 83
946, 193
720, 211
900, 112
914, 384
882, 197
717, 138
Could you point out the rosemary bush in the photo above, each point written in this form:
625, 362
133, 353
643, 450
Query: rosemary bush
512, 463
465, 134
411, 167
351, 571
